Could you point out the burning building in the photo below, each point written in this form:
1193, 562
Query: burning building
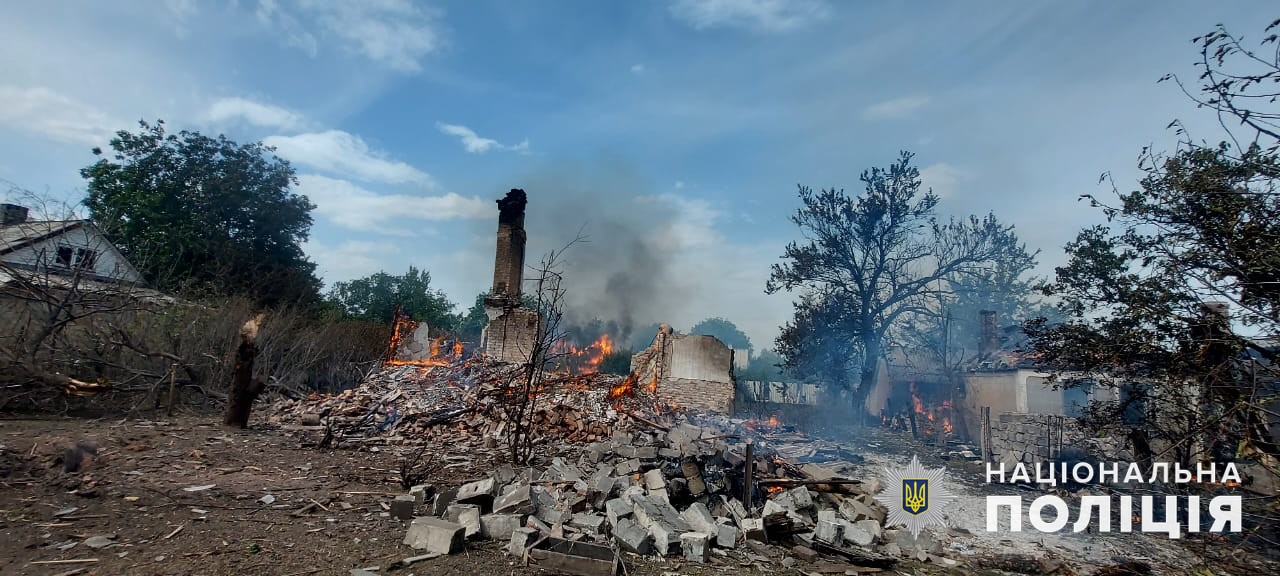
690, 370
513, 330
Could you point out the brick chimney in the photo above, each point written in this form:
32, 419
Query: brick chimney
988, 333
508, 263
11, 214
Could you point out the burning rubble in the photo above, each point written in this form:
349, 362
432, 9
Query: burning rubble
646, 463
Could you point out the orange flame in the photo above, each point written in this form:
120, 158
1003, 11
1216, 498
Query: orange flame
774, 489
401, 329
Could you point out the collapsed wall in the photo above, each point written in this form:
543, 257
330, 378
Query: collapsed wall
691, 370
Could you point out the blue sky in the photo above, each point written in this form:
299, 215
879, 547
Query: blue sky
674, 131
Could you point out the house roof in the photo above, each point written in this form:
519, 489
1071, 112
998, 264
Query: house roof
31, 280
17, 236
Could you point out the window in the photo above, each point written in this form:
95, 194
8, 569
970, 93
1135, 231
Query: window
86, 259
64, 256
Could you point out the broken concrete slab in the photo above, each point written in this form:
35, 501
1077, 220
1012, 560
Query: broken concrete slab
480, 492
857, 533
521, 540
829, 531
617, 509
699, 518
434, 535
516, 500
500, 526
443, 498
696, 546
467, 515
631, 536
726, 534
590, 523
655, 480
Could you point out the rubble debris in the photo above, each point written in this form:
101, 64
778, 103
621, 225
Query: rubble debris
402, 507
434, 535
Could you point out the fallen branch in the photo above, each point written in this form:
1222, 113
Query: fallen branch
647, 422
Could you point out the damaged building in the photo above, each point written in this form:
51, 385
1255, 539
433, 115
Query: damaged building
513, 330
691, 370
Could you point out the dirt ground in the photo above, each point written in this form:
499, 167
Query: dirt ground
187, 496
184, 496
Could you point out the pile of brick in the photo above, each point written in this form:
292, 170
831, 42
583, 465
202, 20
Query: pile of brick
466, 401
680, 491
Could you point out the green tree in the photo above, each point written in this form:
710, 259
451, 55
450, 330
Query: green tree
204, 216
867, 261
767, 366
724, 330
1182, 285
375, 297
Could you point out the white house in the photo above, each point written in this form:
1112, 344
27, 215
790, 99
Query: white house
60, 247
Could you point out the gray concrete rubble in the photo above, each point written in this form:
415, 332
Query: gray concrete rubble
675, 493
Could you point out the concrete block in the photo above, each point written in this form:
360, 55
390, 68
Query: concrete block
627, 467
699, 518
800, 498
696, 546
617, 509
589, 523
654, 480
522, 539
443, 498
856, 533
871, 526
666, 539
753, 528
828, 515
480, 492
516, 500
646, 452
468, 515
500, 526
631, 536
434, 535
829, 532
419, 494
726, 535
402, 507
804, 553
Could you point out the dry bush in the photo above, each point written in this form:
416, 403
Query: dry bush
132, 349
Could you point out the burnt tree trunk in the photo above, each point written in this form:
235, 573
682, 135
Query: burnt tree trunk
244, 388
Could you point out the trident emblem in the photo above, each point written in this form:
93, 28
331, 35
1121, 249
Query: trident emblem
915, 495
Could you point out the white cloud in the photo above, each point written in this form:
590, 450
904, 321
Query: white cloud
347, 154
637, 69
254, 113
295, 34
180, 12
942, 178
895, 108
394, 33
757, 15
475, 144
679, 184
40, 111
349, 259
350, 206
